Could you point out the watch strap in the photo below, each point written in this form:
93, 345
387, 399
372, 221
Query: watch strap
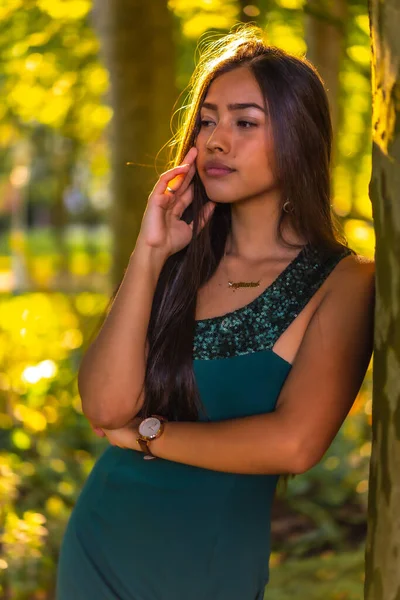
144, 446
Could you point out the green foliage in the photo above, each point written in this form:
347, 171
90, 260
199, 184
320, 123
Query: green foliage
331, 577
47, 446
51, 74
332, 496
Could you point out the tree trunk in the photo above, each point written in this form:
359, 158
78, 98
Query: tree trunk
325, 33
64, 159
136, 39
383, 540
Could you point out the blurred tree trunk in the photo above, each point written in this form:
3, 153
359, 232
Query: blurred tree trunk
21, 156
64, 159
383, 541
136, 38
325, 32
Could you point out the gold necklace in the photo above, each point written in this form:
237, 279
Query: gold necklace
242, 284
234, 285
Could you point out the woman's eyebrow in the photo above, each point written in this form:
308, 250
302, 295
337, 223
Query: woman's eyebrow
237, 106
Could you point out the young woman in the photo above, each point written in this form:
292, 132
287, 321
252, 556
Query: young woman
235, 344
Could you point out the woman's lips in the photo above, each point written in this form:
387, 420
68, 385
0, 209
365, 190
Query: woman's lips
218, 172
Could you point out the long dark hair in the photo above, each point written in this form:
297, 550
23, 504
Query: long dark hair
298, 110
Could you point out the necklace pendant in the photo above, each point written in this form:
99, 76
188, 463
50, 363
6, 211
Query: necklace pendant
243, 284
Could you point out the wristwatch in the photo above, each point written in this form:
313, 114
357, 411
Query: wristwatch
150, 429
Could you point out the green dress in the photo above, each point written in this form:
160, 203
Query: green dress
162, 530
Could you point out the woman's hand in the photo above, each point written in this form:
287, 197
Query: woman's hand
125, 437
161, 226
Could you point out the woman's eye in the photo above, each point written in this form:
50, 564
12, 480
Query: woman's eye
246, 124
242, 124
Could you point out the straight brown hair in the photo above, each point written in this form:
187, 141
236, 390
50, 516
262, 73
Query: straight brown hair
298, 109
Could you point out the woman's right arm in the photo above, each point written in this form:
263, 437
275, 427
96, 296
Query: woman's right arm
111, 374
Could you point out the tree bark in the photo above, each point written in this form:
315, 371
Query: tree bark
325, 32
136, 38
382, 580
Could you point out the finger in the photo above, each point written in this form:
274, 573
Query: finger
190, 155
187, 180
182, 203
168, 176
184, 196
181, 183
205, 215
175, 184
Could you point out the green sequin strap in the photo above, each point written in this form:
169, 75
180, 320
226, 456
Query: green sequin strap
258, 325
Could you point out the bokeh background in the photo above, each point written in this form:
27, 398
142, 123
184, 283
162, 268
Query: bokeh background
59, 261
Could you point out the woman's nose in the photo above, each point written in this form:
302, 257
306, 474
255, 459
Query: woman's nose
219, 140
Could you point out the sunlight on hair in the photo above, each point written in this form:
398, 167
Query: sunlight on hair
213, 50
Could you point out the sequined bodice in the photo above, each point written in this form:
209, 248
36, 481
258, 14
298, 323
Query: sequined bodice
258, 325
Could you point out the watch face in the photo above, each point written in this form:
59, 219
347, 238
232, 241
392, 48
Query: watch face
149, 427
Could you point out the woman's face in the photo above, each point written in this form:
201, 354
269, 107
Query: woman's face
235, 133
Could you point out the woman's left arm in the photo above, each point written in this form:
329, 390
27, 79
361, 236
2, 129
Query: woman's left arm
316, 397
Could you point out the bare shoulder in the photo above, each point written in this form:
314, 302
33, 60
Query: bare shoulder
351, 273
351, 289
